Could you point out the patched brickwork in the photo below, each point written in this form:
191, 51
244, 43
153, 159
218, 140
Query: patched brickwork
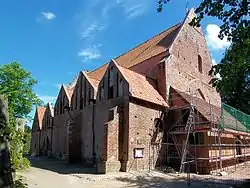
141, 131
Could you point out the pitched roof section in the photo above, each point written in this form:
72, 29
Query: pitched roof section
40, 113
140, 88
202, 106
98, 73
212, 113
69, 91
92, 81
152, 47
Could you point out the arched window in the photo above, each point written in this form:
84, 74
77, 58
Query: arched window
199, 63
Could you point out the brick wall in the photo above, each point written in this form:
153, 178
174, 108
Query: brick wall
141, 124
60, 141
182, 65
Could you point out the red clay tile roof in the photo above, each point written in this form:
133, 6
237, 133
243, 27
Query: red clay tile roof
140, 88
69, 91
98, 73
152, 47
201, 105
204, 108
40, 113
94, 82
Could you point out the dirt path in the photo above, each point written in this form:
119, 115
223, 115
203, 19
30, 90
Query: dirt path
46, 173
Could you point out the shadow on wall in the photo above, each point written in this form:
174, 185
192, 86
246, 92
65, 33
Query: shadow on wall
60, 167
173, 182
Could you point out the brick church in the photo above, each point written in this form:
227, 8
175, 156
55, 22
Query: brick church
117, 116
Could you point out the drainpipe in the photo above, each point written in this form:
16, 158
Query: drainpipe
93, 131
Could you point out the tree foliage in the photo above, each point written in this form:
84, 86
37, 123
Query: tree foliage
234, 15
234, 70
16, 84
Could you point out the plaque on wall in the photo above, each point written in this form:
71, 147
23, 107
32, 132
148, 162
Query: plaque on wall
138, 152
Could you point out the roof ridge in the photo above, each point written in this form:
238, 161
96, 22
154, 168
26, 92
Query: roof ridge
148, 40
96, 68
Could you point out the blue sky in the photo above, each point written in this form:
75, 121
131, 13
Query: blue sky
55, 39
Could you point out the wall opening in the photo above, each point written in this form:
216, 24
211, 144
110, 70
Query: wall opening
185, 115
199, 63
111, 115
196, 138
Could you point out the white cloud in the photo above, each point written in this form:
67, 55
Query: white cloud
214, 62
97, 16
217, 75
47, 98
90, 53
91, 30
135, 10
213, 41
49, 15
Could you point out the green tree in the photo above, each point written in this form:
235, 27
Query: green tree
234, 15
17, 85
234, 70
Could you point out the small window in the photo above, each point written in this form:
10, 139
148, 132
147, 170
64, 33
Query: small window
196, 138
158, 125
111, 92
199, 63
111, 115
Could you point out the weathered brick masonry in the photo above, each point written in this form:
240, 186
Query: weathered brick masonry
117, 116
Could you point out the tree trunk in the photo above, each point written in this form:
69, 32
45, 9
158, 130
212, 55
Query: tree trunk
6, 179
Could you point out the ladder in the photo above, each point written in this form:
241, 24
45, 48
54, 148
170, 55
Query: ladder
189, 124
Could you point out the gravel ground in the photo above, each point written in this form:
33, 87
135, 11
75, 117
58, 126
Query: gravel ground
48, 173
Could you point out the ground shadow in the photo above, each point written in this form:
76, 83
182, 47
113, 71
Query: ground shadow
150, 181
59, 166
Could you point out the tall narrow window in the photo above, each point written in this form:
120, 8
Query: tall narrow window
61, 108
199, 63
110, 84
117, 84
120, 87
89, 94
101, 96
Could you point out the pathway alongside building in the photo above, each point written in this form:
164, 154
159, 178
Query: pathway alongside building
52, 174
